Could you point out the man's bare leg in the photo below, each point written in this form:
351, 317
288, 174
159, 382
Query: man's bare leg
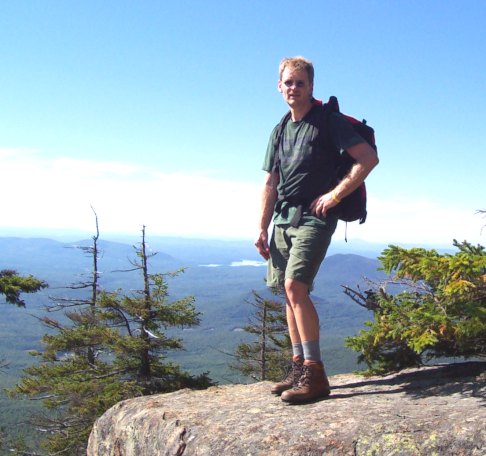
301, 313
295, 371
303, 317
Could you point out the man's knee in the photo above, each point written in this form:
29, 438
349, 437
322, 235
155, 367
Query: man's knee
296, 290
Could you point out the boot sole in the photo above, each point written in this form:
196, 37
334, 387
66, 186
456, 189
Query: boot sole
278, 393
291, 401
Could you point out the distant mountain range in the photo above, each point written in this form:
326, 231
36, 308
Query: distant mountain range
220, 274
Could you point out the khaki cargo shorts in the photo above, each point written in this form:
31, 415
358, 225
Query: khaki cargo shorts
297, 253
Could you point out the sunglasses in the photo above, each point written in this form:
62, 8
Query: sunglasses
290, 82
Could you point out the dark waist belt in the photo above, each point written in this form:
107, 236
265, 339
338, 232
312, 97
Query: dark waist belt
297, 216
300, 207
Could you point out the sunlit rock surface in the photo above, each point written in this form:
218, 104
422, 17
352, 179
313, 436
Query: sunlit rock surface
433, 410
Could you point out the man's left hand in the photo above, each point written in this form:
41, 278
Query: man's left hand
322, 204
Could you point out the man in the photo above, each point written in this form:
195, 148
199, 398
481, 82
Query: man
299, 191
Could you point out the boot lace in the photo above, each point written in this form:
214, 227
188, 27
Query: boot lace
305, 377
296, 373
293, 374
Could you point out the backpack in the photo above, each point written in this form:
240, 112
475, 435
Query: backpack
353, 206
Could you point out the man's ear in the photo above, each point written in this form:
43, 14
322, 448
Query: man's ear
279, 86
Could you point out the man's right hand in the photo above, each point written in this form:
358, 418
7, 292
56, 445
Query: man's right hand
262, 246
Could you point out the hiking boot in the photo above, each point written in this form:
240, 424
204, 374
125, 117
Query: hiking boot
292, 378
313, 384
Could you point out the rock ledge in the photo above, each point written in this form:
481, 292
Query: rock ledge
432, 410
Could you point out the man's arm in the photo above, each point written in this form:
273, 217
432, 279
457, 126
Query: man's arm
269, 198
366, 159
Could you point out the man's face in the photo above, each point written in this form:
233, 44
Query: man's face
295, 87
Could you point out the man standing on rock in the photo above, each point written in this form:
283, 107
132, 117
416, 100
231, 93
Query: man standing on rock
299, 191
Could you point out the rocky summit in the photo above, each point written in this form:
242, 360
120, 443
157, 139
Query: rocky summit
435, 410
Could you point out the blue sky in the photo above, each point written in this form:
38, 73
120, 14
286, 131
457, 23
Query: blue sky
158, 113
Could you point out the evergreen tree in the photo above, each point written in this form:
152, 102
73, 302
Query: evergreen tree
104, 349
12, 285
142, 344
73, 379
267, 357
434, 305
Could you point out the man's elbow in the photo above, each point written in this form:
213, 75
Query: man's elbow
271, 181
364, 154
374, 160
369, 159
372, 157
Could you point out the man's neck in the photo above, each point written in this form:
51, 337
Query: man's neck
299, 112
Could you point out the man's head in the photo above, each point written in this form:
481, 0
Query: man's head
297, 64
296, 82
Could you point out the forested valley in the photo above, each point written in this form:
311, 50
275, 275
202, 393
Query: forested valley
201, 297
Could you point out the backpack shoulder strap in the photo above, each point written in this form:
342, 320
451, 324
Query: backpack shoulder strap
327, 108
278, 139
333, 104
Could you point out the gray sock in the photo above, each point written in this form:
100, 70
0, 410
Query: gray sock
297, 350
312, 350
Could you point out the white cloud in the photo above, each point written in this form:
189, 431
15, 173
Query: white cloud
50, 193
58, 193
395, 219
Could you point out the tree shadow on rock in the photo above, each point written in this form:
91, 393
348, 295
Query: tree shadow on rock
467, 379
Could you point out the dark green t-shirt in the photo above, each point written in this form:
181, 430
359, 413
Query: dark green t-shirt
308, 160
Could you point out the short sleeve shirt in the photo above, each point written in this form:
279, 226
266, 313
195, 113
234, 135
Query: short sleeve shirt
297, 168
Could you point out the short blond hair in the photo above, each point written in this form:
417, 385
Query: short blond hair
297, 63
